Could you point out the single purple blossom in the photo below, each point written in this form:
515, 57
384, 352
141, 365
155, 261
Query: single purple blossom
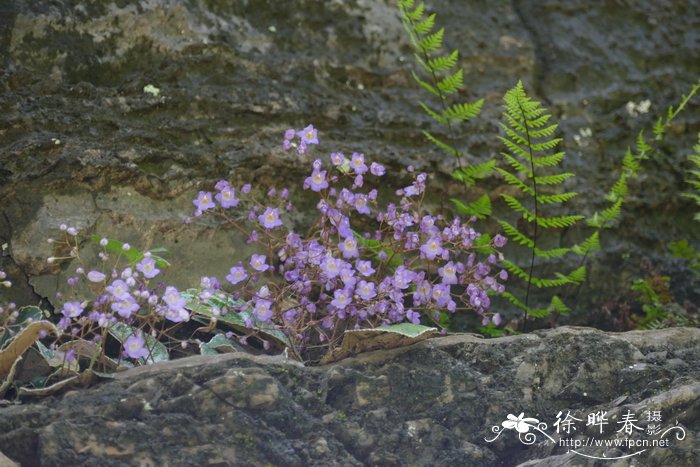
135, 347
270, 218
342, 298
118, 289
227, 197
95, 276
448, 273
432, 248
316, 181
72, 309
173, 299
365, 290
357, 162
365, 268
236, 274
125, 306
204, 201
308, 135
348, 248
148, 268
262, 310
337, 158
258, 262
377, 169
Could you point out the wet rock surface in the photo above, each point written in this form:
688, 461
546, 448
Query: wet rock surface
433, 403
82, 142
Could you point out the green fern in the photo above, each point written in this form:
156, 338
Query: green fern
444, 80
529, 137
694, 178
662, 124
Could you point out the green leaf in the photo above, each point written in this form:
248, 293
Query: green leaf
219, 344
132, 254
234, 313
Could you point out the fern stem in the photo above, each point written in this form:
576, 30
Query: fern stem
441, 95
534, 237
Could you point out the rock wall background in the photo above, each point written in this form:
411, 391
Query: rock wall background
433, 403
81, 143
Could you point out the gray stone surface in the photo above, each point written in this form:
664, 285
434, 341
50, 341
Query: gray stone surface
82, 143
433, 403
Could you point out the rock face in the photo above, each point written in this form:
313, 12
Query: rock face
433, 403
82, 143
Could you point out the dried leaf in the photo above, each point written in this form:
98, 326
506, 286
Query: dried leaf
21, 342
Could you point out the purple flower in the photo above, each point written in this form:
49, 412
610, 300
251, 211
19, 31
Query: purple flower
177, 315
349, 248
331, 267
308, 135
148, 268
365, 290
413, 316
289, 134
357, 162
95, 276
204, 201
246, 188
173, 299
258, 262
432, 248
72, 309
118, 289
337, 158
317, 181
441, 294
365, 268
262, 310
422, 293
361, 204
403, 277
270, 218
499, 241
236, 274
227, 197
497, 320
125, 306
448, 273
377, 169
341, 298
135, 347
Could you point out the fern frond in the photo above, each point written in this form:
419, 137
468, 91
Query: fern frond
450, 84
432, 41
554, 179
444, 63
464, 111
577, 276
590, 244
427, 86
438, 142
558, 222
548, 161
558, 198
432, 113
481, 208
469, 175
426, 25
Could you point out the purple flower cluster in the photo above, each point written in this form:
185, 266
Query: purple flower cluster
121, 295
407, 266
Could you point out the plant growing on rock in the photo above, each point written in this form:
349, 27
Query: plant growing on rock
360, 265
